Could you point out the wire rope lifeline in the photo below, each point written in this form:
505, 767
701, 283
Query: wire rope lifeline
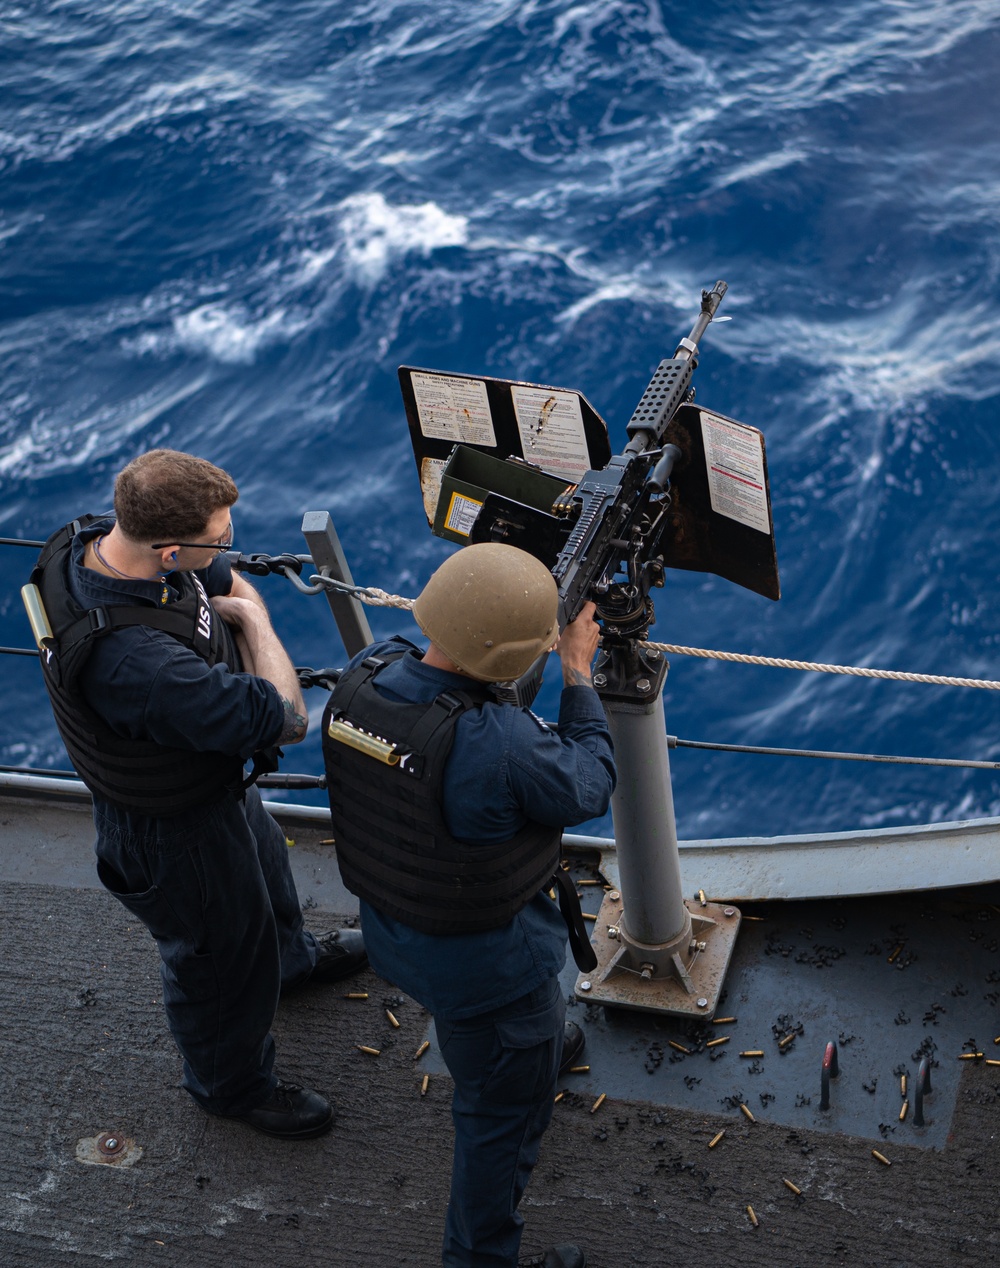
381, 598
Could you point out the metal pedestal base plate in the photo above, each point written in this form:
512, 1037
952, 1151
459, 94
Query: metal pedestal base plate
714, 924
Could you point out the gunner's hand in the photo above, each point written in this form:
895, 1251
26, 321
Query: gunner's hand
577, 645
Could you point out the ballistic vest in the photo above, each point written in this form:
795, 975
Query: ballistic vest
138, 774
385, 765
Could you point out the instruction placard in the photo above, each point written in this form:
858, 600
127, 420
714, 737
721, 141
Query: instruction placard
461, 514
550, 424
453, 408
734, 456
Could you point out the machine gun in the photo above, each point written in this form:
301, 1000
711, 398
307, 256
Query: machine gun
615, 519
531, 466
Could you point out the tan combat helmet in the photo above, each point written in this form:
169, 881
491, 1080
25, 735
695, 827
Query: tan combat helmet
492, 610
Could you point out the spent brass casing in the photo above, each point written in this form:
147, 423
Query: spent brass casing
881, 1158
382, 750
746, 1110
753, 1218
598, 1103
716, 1138
794, 1187
37, 615
421, 1050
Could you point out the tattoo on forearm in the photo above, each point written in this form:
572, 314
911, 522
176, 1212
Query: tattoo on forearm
295, 724
577, 678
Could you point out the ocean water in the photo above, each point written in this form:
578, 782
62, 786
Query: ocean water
223, 226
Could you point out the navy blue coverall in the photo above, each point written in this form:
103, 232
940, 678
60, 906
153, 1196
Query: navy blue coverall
213, 885
495, 996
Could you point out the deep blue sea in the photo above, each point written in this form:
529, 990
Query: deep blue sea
223, 226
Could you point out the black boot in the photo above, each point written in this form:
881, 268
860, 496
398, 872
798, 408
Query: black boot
290, 1113
338, 954
555, 1257
574, 1042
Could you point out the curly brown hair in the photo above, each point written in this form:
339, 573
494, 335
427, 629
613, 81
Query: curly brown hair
165, 495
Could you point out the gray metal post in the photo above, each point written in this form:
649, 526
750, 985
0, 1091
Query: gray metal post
328, 556
655, 951
642, 808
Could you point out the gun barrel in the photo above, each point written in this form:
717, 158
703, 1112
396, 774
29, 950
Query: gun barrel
668, 387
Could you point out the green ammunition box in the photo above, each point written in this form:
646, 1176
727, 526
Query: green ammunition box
470, 475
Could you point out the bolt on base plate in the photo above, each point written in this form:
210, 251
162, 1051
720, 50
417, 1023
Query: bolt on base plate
714, 924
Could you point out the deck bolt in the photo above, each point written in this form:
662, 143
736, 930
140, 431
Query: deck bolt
643, 684
600, 680
729, 911
702, 1002
585, 986
646, 971
110, 1145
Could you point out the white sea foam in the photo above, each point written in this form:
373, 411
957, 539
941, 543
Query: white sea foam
375, 232
230, 335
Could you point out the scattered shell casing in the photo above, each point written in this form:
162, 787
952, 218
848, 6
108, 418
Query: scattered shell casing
894, 953
372, 1052
746, 1110
903, 1109
989, 1062
969, 1056
328, 841
392, 1020
746, 917
997, 1039
753, 1218
794, 1187
425, 1084
716, 1138
783, 1043
752, 1052
587, 915
712, 1043
357, 995
585, 882
558, 1097
881, 1158
598, 1103
701, 898
902, 1085
421, 1050
578, 1069
679, 1047
722, 1021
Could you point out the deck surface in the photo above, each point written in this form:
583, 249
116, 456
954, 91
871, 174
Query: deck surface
84, 1051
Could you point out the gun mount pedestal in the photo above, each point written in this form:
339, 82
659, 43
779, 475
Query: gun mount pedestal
656, 952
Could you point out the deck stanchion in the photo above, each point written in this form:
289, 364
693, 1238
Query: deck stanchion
655, 952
